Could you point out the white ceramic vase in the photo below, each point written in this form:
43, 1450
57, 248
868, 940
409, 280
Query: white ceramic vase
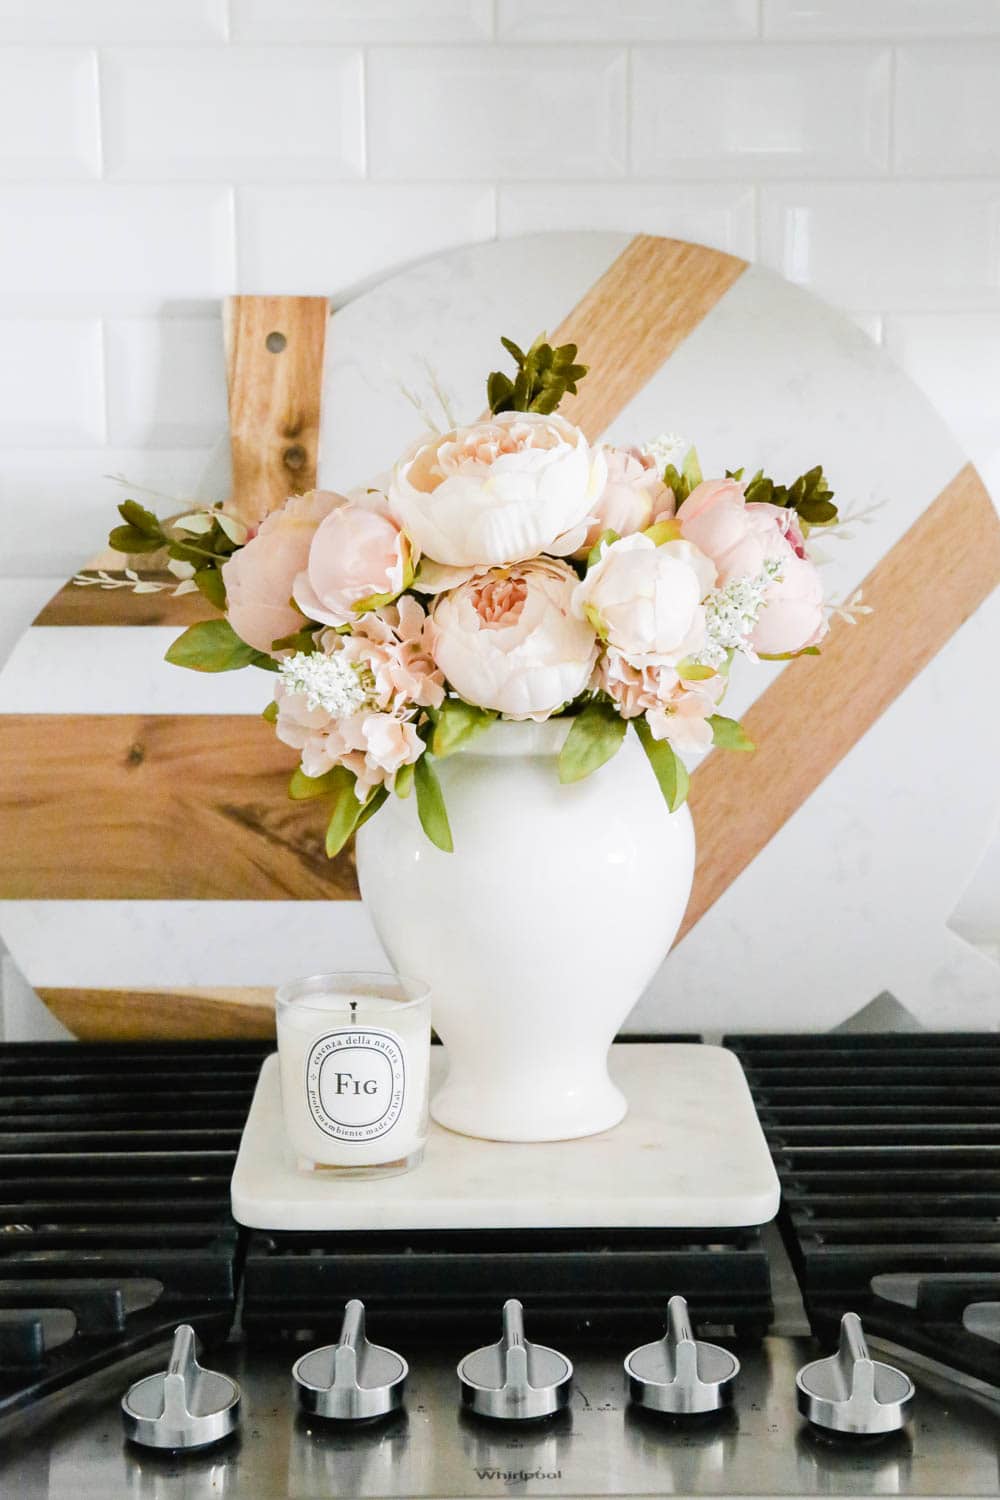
539, 933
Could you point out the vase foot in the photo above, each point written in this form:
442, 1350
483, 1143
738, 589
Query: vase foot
470, 1110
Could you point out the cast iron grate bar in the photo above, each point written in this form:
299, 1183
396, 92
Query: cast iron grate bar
115, 1163
888, 1150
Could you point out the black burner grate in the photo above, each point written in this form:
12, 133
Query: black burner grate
114, 1201
888, 1150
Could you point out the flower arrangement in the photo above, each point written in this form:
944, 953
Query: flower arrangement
509, 569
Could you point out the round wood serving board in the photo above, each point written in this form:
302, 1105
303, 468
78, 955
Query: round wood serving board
155, 880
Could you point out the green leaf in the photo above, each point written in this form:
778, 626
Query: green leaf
604, 540
668, 768
544, 376
210, 582
403, 784
302, 788
729, 734
430, 805
141, 519
596, 735
270, 713
371, 807
214, 646
677, 483
692, 469
346, 809
129, 539
694, 671
789, 655
457, 723
300, 640
663, 531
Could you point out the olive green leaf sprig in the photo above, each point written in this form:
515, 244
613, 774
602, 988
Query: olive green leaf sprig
544, 376
204, 540
809, 496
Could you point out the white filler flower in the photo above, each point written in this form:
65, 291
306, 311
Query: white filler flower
731, 614
327, 682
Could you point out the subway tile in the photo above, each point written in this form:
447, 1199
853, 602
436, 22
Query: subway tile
890, 246
325, 241
629, 20
955, 357
108, 21
768, 111
243, 113
507, 112
423, 21
716, 214
51, 382
809, 20
947, 109
57, 508
105, 248
166, 381
49, 123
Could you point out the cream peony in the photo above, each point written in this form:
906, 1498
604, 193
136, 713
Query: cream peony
259, 577
498, 492
792, 616
357, 553
634, 496
508, 640
647, 600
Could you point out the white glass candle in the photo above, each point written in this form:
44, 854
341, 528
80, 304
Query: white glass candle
354, 1053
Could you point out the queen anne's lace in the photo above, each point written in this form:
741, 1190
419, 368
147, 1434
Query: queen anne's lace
731, 614
328, 682
668, 448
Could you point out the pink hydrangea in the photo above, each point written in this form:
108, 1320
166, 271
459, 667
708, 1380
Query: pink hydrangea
356, 703
676, 710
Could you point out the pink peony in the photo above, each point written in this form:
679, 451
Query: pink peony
259, 577
507, 639
792, 615
358, 552
739, 538
632, 499
498, 492
646, 600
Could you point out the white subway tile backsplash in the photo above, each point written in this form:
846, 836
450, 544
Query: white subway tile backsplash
815, 20
51, 382
955, 357
423, 21
890, 245
48, 113
752, 110
104, 21
629, 20
326, 240
233, 114
55, 514
104, 248
507, 112
947, 115
166, 382
716, 214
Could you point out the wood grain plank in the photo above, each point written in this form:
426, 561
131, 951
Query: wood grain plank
634, 317
274, 359
159, 808
160, 1015
820, 707
75, 605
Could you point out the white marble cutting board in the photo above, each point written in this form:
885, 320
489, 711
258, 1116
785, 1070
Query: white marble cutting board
690, 1153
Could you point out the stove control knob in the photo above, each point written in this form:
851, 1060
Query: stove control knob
185, 1406
515, 1380
851, 1392
680, 1374
352, 1379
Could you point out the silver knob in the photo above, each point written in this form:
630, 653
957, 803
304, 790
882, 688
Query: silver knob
515, 1380
850, 1391
352, 1379
679, 1373
184, 1406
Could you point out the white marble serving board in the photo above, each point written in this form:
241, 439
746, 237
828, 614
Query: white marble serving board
689, 1154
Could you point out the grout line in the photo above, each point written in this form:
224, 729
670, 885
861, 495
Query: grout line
103, 378
365, 120
99, 84
891, 154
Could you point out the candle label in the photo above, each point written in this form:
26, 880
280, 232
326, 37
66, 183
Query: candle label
356, 1083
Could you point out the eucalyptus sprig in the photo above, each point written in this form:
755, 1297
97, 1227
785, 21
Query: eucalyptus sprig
198, 545
544, 376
